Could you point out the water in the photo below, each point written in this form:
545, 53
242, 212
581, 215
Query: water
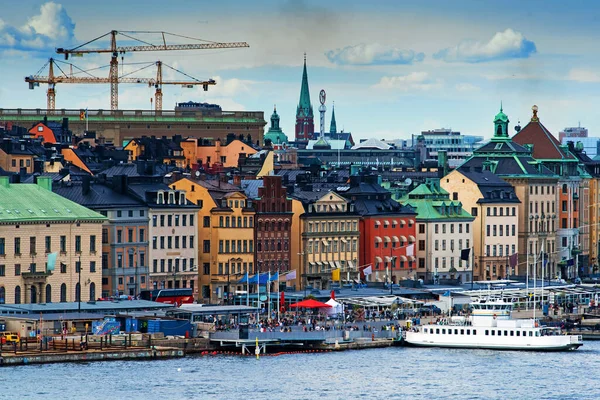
416, 373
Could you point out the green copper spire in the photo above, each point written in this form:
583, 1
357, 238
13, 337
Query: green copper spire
275, 134
333, 126
304, 107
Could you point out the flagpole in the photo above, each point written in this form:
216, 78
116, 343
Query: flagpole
278, 295
542, 297
247, 289
86, 120
269, 294
527, 278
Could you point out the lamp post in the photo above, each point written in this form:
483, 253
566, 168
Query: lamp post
79, 286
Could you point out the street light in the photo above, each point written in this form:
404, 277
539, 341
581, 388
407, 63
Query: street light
78, 292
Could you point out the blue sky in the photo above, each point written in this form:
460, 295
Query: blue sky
393, 68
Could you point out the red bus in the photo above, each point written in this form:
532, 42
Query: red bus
169, 296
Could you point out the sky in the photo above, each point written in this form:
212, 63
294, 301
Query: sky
392, 68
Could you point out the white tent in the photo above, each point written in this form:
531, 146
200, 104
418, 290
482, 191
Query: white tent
336, 308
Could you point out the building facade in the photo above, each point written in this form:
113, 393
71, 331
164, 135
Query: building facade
125, 256
273, 226
35, 223
330, 238
444, 230
494, 205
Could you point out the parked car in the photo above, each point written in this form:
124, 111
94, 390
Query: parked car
430, 309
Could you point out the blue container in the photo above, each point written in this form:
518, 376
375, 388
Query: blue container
154, 326
175, 327
131, 325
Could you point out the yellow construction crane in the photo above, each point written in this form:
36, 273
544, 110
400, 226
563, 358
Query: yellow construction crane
51, 79
115, 50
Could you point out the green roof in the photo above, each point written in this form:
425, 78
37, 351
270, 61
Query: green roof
26, 202
431, 202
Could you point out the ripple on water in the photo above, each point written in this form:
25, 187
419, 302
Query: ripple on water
371, 374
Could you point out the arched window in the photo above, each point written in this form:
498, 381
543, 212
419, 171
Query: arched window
63, 293
279, 226
33, 295
2, 295
48, 293
221, 221
287, 226
92, 291
77, 292
239, 222
18, 295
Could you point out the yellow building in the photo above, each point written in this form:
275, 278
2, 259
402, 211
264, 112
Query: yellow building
494, 205
225, 236
298, 256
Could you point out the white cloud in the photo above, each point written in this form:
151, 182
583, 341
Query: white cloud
583, 75
467, 87
415, 81
503, 45
373, 54
51, 27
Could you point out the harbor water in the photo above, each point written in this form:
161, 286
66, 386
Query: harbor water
398, 372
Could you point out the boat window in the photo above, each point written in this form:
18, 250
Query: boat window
505, 333
537, 333
487, 332
474, 332
468, 331
462, 331
512, 333
449, 331
425, 330
443, 331
493, 332
456, 331
518, 333
530, 333
437, 330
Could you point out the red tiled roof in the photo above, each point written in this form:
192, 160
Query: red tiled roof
545, 145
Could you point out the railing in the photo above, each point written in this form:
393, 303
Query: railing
299, 336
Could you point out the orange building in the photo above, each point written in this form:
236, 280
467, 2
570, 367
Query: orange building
227, 155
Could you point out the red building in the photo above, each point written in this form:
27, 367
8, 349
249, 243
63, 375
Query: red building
386, 227
273, 226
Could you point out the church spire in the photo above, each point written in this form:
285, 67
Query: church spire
304, 106
501, 126
333, 126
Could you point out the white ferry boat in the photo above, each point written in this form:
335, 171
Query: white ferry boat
490, 326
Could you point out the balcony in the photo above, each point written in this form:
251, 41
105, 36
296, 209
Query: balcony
36, 277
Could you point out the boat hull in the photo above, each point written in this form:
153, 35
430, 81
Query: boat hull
558, 343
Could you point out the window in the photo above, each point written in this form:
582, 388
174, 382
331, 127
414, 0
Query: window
162, 220
17, 269
141, 235
177, 220
176, 242
154, 220
206, 246
119, 214
206, 222
169, 220
129, 235
119, 236
93, 243
32, 245
421, 245
191, 246
17, 245
191, 219
421, 228
92, 266
2, 270
48, 246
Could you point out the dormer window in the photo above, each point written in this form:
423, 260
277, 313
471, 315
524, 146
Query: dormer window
182, 198
160, 198
171, 198
40, 128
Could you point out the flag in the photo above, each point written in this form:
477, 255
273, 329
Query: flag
410, 250
244, 278
513, 259
333, 294
274, 277
282, 302
335, 275
51, 261
464, 254
291, 275
367, 271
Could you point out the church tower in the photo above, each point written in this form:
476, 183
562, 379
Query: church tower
305, 125
500, 126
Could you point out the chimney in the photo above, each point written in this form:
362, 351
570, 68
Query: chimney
45, 182
86, 183
237, 180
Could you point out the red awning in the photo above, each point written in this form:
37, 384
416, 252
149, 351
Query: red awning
310, 303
